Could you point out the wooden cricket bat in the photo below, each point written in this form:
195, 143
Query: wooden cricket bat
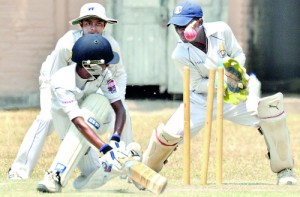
145, 176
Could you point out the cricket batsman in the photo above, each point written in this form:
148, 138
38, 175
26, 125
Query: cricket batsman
84, 97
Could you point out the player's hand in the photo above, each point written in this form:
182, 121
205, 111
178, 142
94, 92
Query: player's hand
232, 83
134, 151
235, 82
111, 159
116, 143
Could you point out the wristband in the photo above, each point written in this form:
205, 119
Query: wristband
115, 137
105, 148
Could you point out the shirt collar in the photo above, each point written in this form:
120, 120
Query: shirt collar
209, 29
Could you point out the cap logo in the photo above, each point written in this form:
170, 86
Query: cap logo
92, 8
178, 10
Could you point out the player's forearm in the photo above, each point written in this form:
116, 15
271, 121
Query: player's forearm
120, 116
87, 132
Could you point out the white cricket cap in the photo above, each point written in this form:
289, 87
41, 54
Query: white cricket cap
92, 10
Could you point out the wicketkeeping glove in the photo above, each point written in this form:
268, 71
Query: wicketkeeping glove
235, 82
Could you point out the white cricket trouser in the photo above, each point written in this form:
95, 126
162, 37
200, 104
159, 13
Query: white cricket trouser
245, 113
33, 142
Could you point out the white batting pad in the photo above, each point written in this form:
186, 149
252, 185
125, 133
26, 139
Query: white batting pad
72, 148
160, 147
275, 130
96, 110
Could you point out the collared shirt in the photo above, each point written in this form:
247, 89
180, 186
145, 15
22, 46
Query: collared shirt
221, 45
67, 96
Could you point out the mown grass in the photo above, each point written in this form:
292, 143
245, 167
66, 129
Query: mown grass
246, 171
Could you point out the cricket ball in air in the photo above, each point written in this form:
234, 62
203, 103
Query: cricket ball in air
190, 34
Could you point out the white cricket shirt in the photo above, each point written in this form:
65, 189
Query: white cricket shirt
66, 94
219, 38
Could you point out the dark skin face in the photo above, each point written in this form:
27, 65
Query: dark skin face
200, 41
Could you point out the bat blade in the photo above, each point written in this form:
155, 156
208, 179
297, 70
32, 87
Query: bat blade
145, 176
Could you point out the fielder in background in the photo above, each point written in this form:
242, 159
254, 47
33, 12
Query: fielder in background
202, 46
92, 20
82, 107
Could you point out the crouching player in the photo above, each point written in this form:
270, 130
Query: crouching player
215, 41
85, 97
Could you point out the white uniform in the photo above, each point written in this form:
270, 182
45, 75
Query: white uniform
68, 95
185, 54
244, 113
42, 126
165, 138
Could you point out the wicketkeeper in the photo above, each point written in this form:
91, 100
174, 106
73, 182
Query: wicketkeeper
84, 98
210, 44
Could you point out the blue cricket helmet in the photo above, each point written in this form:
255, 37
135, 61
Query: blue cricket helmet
94, 47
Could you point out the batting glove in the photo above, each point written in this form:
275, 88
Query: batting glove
134, 150
110, 160
116, 143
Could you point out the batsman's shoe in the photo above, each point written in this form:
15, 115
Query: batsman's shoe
12, 175
286, 177
50, 183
